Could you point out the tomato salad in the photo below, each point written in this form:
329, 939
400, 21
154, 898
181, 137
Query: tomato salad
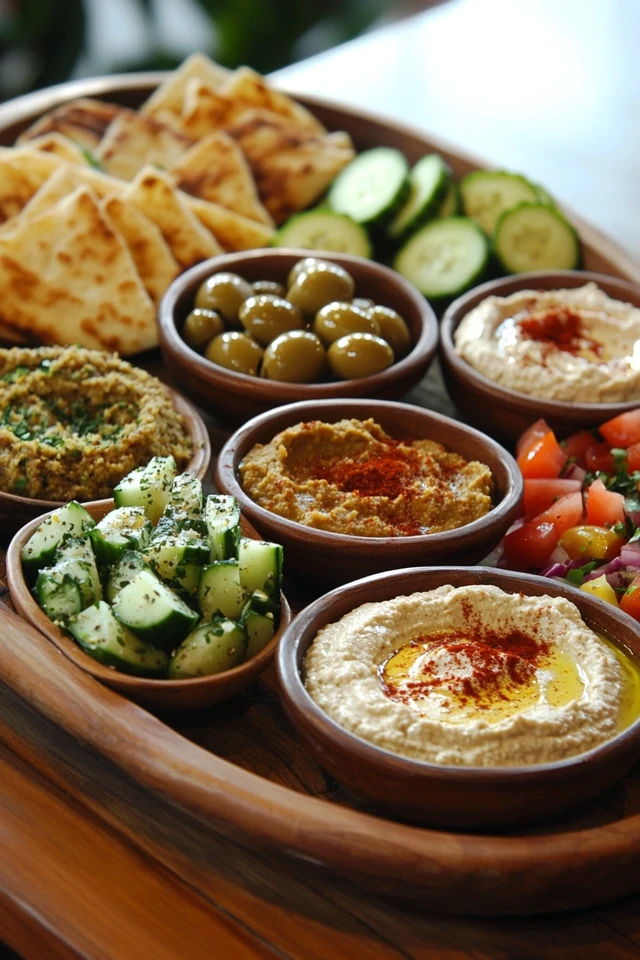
582, 509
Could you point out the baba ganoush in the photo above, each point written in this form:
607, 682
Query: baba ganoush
473, 676
572, 345
73, 422
351, 477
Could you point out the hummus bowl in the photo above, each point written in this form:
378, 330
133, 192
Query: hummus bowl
503, 411
322, 557
454, 795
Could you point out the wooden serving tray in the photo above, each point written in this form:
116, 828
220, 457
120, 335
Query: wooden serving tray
240, 768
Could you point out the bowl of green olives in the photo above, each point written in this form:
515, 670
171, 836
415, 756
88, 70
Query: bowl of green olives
245, 332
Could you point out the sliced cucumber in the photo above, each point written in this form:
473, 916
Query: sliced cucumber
121, 575
168, 553
486, 194
68, 588
324, 230
185, 503
261, 602
372, 188
428, 180
451, 205
125, 528
260, 566
75, 548
535, 236
147, 487
211, 648
222, 516
107, 640
260, 629
220, 591
39, 550
445, 257
153, 611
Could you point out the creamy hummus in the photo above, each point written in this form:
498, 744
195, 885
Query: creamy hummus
576, 344
351, 477
473, 676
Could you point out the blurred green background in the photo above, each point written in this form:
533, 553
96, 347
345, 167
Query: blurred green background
43, 42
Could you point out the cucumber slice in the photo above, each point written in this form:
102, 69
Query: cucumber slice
147, 487
260, 602
222, 516
486, 194
372, 188
260, 567
324, 230
68, 588
535, 236
75, 548
168, 553
154, 612
101, 635
451, 205
220, 591
260, 629
128, 567
184, 506
39, 551
211, 648
428, 180
125, 528
445, 257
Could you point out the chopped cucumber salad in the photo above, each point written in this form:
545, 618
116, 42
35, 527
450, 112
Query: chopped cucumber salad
164, 586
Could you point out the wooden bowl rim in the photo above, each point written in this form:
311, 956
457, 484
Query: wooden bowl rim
524, 402
226, 476
27, 607
300, 634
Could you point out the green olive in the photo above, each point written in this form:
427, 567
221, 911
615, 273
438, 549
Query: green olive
223, 292
269, 286
201, 326
266, 317
319, 284
363, 303
301, 265
338, 319
359, 355
296, 357
235, 351
392, 328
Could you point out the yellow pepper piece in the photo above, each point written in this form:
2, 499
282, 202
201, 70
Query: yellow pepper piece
601, 588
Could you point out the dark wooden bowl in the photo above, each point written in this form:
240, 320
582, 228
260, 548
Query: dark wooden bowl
237, 396
446, 796
501, 411
156, 695
323, 558
15, 511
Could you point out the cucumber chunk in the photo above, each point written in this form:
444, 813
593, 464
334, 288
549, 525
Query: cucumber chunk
168, 553
71, 520
125, 528
129, 566
185, 503
107, 640
535, 236
222, 516
445, 257
211, 648
75, 548
259, 622
428, 180
220, 590
324, 230
147, 487
261, 602
68, 588
260, 566
486, 194
372, 188
451, 205
153, 611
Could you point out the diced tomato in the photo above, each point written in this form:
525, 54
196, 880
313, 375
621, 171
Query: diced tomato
599, 457
540, 494
604, 507
623, 430
630, 601
633, 457
577, 445
532, 544
566, 512
531, 436
543, 459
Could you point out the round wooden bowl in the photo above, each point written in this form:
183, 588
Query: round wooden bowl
323, 558
237, 396
481, 798
501, 411
16, 511
157, 695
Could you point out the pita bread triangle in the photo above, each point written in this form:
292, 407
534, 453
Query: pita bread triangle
67, 277
251, 91
84, 121
170, 94
60, 146
22, 173
133, 141
231, 230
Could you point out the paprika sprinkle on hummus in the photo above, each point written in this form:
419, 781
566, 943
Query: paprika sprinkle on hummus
351, 477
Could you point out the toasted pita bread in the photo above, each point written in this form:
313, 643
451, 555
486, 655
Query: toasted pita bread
205, 111
231, 230
251, 91
155, 194
292, 169
132, 142
84, 121
170, 93
67, 277
22, 173
153, 259
215, 169
60, 146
